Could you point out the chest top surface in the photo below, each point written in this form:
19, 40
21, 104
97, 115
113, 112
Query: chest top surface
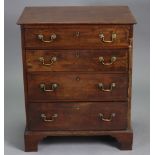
77, 15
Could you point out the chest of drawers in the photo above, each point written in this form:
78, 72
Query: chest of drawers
77, 65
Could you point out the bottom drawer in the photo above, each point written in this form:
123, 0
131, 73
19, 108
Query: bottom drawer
78, 116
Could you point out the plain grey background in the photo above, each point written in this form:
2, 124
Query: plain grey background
14, 95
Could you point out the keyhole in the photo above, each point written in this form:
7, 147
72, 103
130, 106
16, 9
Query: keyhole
77, 78
77, 55
77, 34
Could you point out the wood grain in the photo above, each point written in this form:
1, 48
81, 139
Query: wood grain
77, 60
78, 116
77, 14
78, 72
84, 89
88, 37
123, 137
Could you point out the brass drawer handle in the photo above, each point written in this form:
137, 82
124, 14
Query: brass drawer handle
52, 60
101, 116
101, 60
102, 37
52, 38
54, 86
101, 87
44, 117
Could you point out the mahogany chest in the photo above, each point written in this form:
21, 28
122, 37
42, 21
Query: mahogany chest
77, 65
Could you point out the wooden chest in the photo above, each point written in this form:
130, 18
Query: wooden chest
77, 65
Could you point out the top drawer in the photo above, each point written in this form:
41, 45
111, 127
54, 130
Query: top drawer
79, 37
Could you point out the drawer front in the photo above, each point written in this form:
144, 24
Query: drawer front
79, 37
77, 116
77, 60
77, 86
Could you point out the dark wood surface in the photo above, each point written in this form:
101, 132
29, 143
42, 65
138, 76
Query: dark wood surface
83, 89
77, 60
77, 71
80, 15
88, 37
123, 137
78, 116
